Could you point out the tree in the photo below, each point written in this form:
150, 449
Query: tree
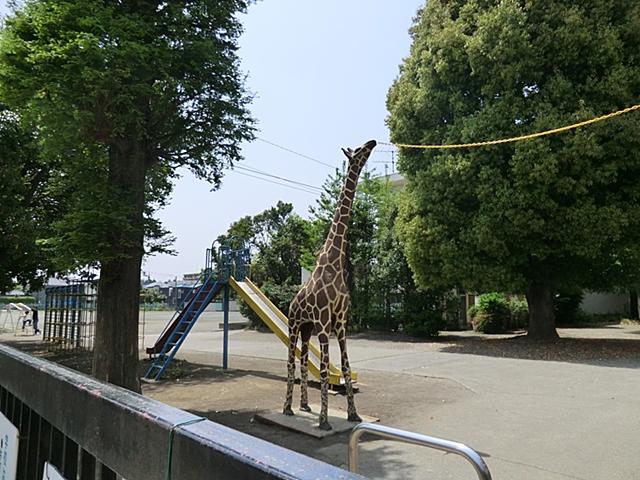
633, 305
152, 295
396, 299
124, 93
25, 209
277, 238
536, 216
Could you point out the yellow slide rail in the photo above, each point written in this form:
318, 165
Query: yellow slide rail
278, 323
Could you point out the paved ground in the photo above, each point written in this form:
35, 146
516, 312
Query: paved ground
552, 411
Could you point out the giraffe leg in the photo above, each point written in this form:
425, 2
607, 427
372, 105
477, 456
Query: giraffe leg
324, 381
291, 369
305, 334
352, 414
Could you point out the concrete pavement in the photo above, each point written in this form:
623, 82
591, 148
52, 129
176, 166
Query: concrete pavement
532, 419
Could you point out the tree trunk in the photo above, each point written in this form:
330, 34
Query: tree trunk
115, 354
542, 322
633, 305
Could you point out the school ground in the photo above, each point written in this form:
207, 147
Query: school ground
534, 410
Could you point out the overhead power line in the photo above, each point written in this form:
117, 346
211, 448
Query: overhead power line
288, 180
302, 189
296, 153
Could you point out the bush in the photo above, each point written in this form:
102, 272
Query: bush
427, 323
27, 299
492, 314
519, 313
485, 323
566, 307
452, 310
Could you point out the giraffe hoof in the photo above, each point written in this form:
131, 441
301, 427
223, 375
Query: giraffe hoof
354, 417
287, 411
325, 426
305, 408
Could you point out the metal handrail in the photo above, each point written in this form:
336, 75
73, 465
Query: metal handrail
456, 448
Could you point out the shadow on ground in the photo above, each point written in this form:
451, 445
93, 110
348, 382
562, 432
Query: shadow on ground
622, 353
79, 360
197, 373
382, 462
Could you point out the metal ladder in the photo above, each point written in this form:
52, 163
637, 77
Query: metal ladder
201, 297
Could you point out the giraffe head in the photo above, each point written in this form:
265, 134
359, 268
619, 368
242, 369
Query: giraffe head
360, 155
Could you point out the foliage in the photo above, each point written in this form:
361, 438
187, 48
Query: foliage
491, 314
26, 299
566, 307
95, 77
495, 313
536, 216
427, 323
277, 238
25, 208
152, 296
383, 292
123, 93
518, 312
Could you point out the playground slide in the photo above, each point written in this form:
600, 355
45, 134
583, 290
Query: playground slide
278, 323
189, 314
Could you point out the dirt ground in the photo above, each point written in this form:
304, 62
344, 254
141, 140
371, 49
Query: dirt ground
233, 398
257, 385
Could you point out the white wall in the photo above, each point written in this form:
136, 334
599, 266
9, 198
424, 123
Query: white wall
604, 303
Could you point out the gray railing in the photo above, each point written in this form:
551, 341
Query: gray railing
378, 430
92, 430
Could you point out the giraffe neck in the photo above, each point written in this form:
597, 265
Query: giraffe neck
336, 243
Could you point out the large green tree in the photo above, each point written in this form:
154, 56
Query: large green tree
26, 209
536, 216
124, 93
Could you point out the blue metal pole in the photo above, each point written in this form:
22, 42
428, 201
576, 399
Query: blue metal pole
225, 338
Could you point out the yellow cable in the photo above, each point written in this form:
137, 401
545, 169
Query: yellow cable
521, 137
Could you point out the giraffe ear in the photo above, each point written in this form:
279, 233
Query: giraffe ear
348, 152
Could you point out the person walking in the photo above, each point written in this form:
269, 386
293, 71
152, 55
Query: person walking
34, 320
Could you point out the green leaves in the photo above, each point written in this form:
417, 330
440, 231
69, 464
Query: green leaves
112, 89
498, 218
25, 210
278, 239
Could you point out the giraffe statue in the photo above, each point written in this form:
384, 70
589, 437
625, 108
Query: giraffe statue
321, 305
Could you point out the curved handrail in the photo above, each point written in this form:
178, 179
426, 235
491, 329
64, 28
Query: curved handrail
383, 431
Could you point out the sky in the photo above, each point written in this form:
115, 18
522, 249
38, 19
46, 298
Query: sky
320, 72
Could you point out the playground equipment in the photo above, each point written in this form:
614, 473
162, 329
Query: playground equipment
69, 318
279, 324
226, 268
14, 324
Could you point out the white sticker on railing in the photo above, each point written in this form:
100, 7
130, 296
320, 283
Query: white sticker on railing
51, 473
8, 449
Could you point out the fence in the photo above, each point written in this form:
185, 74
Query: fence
92, 430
